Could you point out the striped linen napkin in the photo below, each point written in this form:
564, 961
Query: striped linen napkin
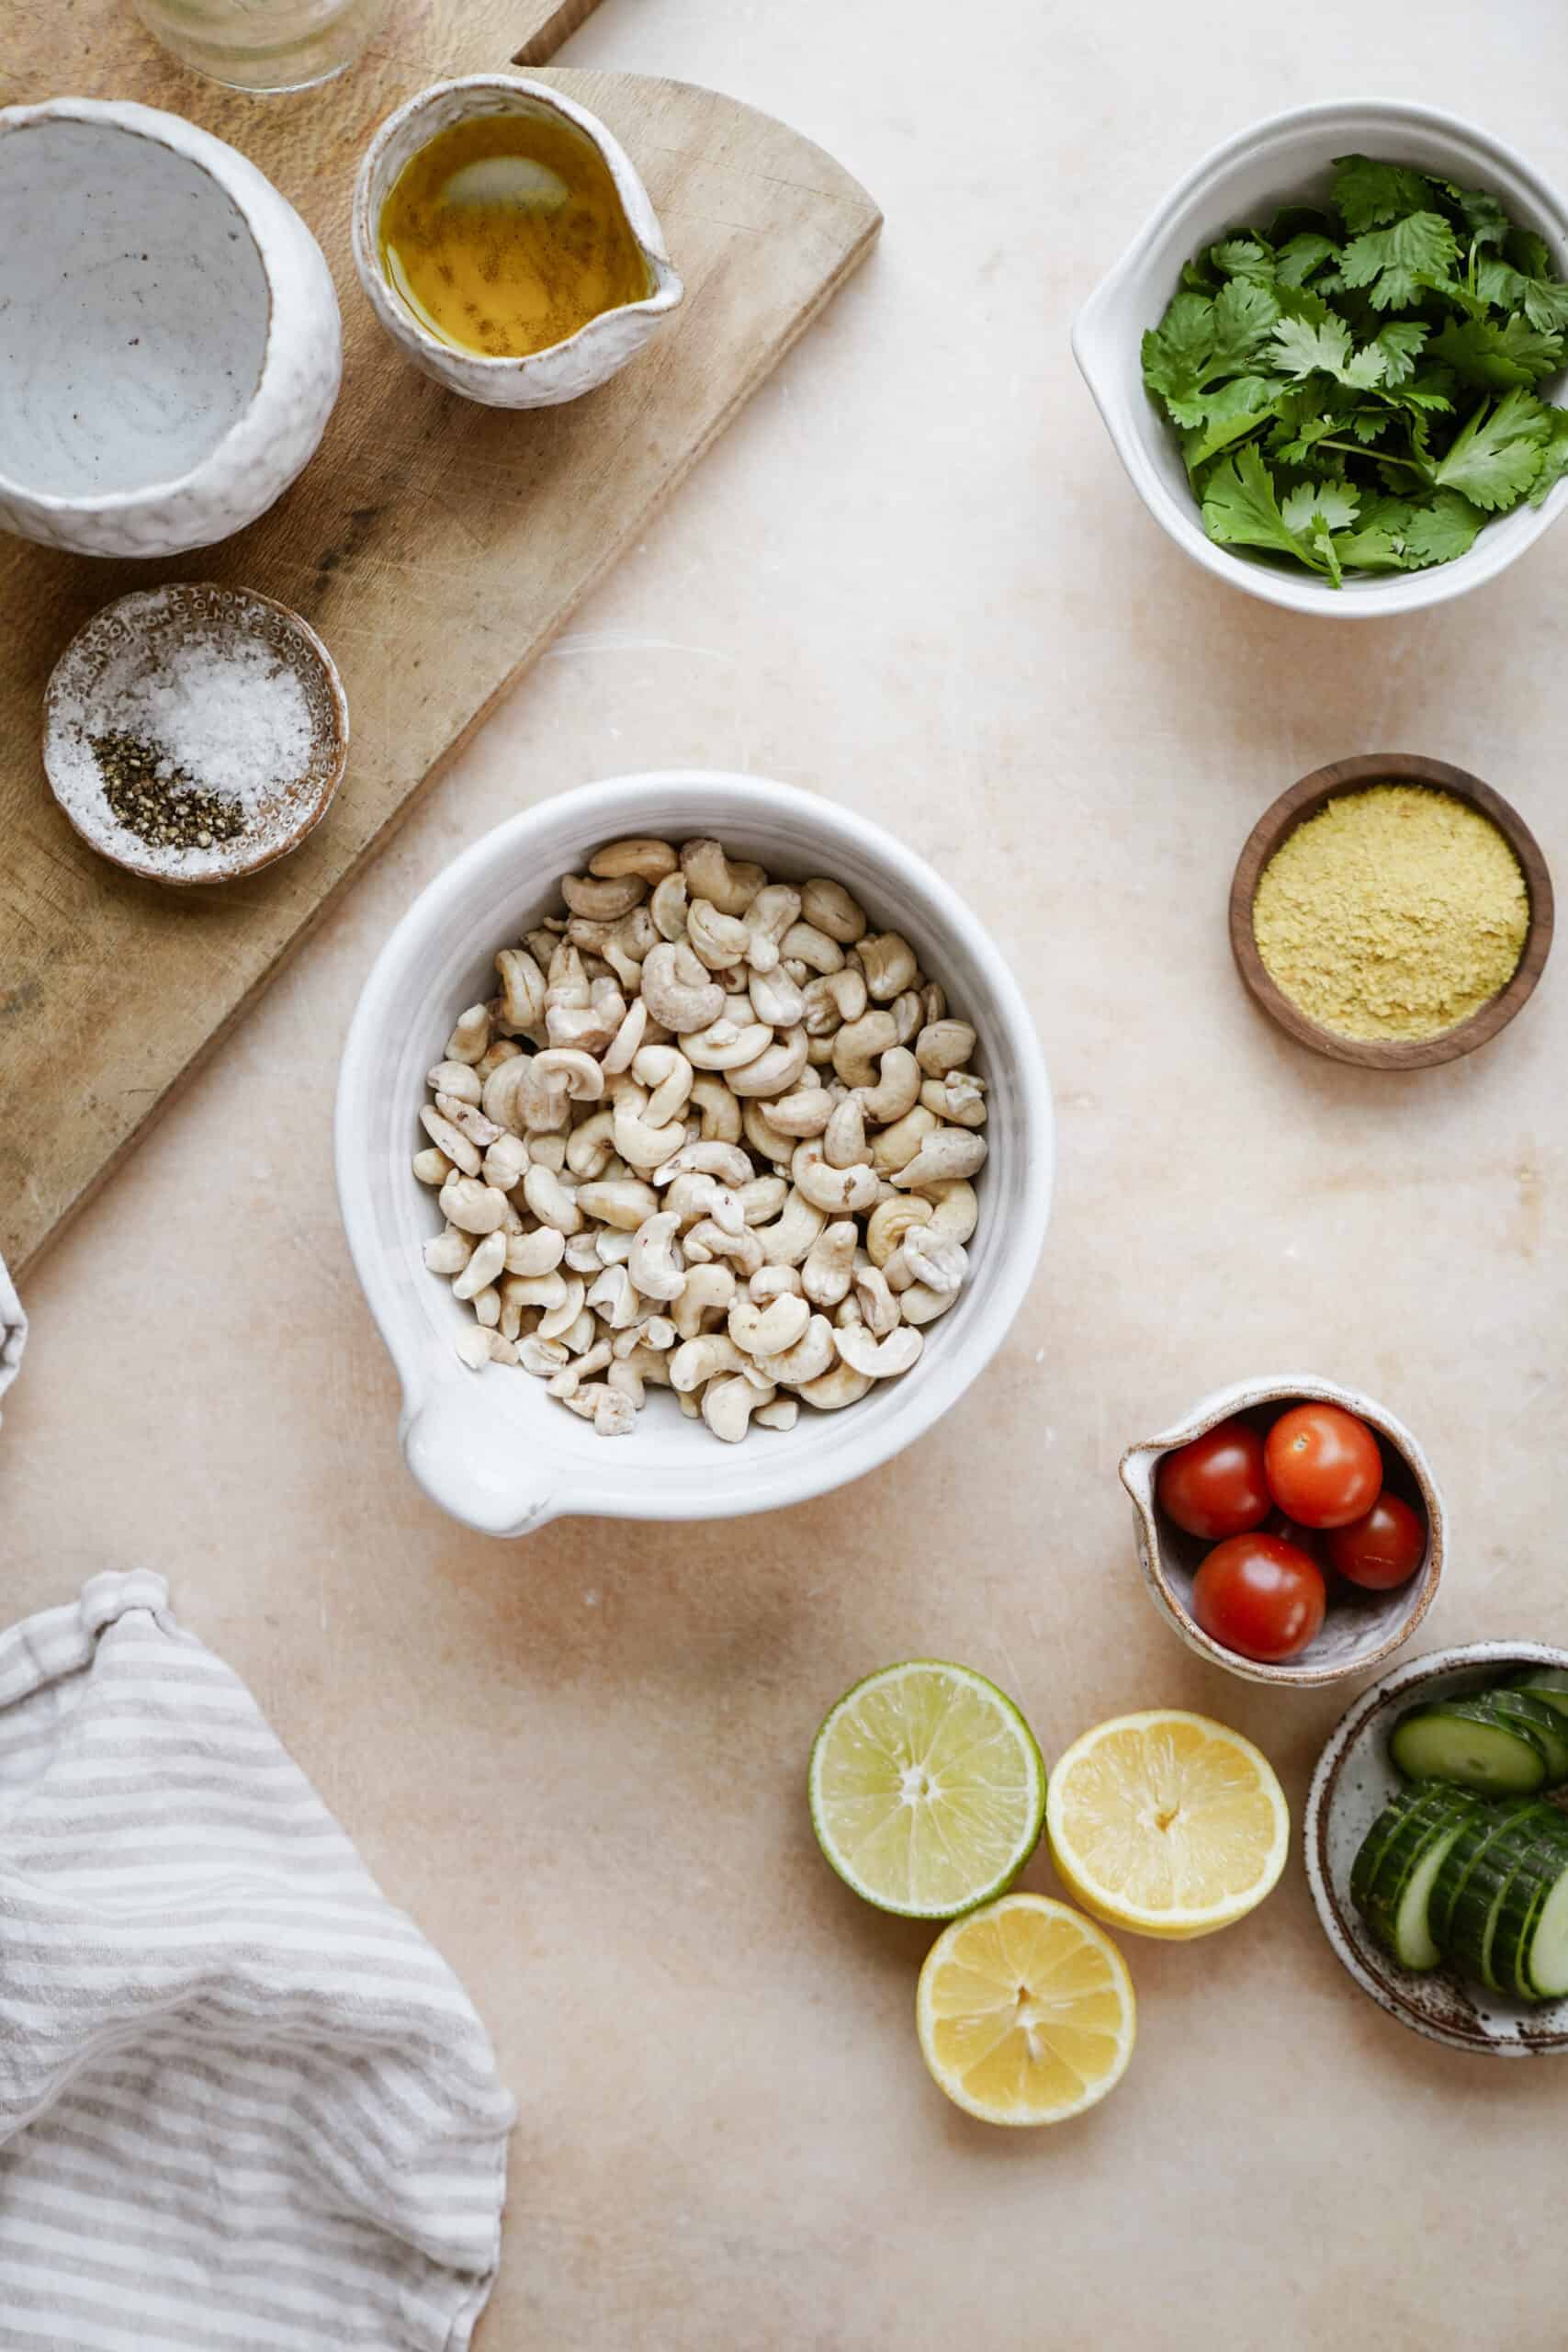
243, 2106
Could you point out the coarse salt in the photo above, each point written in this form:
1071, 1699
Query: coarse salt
232, 717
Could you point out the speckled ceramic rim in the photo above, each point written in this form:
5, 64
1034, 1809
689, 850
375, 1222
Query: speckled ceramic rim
1245, 1396
389, 305
1356, 1954
240, 599
188, 141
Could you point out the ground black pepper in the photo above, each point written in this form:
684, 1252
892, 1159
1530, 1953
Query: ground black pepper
159, 802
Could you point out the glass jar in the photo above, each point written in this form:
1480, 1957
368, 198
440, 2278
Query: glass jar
264, 45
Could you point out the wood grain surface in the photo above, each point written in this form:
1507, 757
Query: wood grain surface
436, 546
1304, 799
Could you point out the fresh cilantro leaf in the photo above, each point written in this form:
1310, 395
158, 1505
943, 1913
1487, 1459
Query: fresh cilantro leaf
1481, 352
1543, 300
1368, 423
1296, 261
1197, 277
1243, 257
1335, 504
1442, 527
1299, 345
1485, 221
1405, 534
1401, 343
1243, 312
1177, 350
1429, 393
1368, 192
1554, 456
1241, 510
1229, 414
1498, 454
1389, 262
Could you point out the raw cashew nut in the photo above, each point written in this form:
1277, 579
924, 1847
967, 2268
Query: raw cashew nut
861, 1044
782, 1414
954, 1209
707, 1290
449, 1139
482, 1267
896, 1146
878, 1359
888, 962
830, 1264
843, 1138
832, 999
879, 1308
701, 1359
805, 1113
448, 1252
950, 1151
775, 1069
791, 1232
602, 901
728, 1405
709, 1240
642, 1146
959, 1098
761, 1200
767, 1330
539, 1252
432, 1167
544, 1290
471, 1207
943, 1046
766, 1140
719, 939
693, 1197
709, 874
460, 1079
665, 1070
619, 1201
889, 1222
668, 907
613, 1299
506, 1163
829, 907
522, 989
921, 1303
726, 1044
840, 1387
636, 855
470, 1037
677, 991
591, 1147
908, 1011
804, 943
658, 1264
541, 1357
773, 1281
943, 1265
551, 1202
623, 1047
776, 998
836, 1190
725, 1160
768, 917
812, 1355
720, 1110
897, 1089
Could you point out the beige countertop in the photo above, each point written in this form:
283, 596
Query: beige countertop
913, 578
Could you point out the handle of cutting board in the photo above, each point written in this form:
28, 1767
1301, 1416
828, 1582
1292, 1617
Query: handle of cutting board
469, 1456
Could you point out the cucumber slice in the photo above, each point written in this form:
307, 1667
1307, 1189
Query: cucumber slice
1545, 1967
1478, 1912
1541, 1867
1480, 1833
1426, 1799
1397, 1907
1526, 1709
1464, 1742
1549, 1683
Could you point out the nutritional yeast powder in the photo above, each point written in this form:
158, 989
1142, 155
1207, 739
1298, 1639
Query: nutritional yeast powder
1395, 912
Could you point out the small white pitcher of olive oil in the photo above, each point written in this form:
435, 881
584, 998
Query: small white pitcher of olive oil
507, 243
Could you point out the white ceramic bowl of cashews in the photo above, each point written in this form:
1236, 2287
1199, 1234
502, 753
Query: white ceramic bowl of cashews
494, 1447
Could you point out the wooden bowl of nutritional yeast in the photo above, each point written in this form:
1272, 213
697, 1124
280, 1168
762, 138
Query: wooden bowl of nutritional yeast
1307, 799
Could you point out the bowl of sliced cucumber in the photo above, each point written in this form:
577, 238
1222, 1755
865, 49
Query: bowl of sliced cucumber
1436, 1838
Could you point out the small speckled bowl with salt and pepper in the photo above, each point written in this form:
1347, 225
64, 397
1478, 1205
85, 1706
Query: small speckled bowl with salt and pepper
194, 734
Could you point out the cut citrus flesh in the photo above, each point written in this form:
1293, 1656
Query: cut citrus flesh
1167, 1822
927, 1789
1025, 2011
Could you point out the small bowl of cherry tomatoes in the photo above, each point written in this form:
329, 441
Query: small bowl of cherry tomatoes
1289, 1530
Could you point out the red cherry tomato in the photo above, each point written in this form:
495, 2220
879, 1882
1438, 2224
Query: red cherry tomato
1324, 1465
1216, 1485
1259, 1597
1383, 1548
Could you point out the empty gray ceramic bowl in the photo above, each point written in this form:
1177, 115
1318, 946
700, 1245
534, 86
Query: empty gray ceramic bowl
1353, 1781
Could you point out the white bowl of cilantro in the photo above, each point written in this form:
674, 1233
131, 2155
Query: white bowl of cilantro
1332, 362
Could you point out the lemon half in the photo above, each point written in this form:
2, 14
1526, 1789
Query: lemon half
1167, 1822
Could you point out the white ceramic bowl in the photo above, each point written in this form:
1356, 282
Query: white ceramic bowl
603, 345
494, 1449
170, 346
1288, 160
1360, 1629
1352, 1782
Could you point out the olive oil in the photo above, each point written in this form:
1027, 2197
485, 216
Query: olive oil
505, 234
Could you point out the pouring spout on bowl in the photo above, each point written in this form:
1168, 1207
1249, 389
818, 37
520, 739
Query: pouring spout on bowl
465, 1453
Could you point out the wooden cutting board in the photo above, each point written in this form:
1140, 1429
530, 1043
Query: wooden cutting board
436, 546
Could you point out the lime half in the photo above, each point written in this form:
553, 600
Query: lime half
926, 1790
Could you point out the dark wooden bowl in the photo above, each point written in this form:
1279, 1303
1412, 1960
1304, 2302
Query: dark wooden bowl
1303, 800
